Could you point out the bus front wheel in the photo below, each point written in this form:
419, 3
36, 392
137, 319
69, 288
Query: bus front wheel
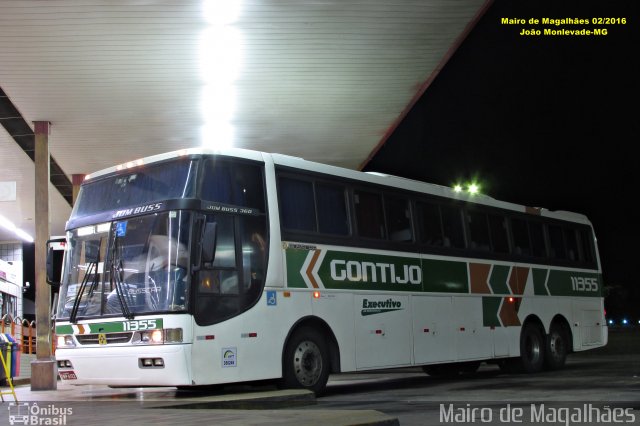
306, 361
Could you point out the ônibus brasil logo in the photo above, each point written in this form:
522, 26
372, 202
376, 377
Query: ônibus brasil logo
24, 413
372, 307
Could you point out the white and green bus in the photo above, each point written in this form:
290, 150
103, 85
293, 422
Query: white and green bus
203, 267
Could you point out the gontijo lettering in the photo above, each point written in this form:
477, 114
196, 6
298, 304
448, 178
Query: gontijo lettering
369, 272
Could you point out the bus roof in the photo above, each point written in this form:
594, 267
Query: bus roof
370, 177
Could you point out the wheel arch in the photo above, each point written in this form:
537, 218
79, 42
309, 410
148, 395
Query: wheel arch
320, 325
535, 320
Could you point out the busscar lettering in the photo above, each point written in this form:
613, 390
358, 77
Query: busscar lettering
137, 210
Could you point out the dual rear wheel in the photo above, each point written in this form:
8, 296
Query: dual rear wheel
537, 352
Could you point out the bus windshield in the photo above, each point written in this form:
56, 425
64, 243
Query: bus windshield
175, 179
127, 267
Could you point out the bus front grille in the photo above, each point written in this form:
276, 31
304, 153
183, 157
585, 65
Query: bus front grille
94, 339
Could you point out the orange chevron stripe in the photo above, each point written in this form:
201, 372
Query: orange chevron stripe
509, 312
314, 259
518, 279
479, 274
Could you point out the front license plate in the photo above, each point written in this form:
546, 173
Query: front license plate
68, 375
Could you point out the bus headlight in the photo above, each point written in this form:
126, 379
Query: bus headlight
65, 341
157, 337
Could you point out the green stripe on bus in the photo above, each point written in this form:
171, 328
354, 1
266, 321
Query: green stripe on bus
443, 276
64, 329
363, 271
498, 279
490, 308
295, 259
539, 280
570, 283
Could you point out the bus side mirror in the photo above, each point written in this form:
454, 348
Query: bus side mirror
209, 236
54, 261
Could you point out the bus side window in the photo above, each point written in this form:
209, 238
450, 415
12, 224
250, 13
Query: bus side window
297, 205
499, 237
369, 215
520, 237
536, 232
236, 184
398, 218
556, 243
430, 225
586, 241
571, 242
331, 202
452, 226
478, 231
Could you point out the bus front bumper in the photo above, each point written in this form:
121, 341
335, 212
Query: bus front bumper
126, 365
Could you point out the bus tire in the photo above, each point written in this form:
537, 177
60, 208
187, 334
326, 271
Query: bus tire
532, 347
557, 348
306, 361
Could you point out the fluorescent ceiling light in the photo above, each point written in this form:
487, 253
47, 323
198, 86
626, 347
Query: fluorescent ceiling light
10, 226
220, 57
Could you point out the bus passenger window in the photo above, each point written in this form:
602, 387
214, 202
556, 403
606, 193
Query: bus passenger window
452, 226
499, 238
332, 209
297, 208
520, 234
478, 230
572, 244
430, 226
538, 248
398, 219
586, 240
233, 183
369, 214
556, 243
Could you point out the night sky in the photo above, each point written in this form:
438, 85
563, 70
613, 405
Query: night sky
546, 121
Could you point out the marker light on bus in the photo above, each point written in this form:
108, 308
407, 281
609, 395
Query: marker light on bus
66, 341
316, 295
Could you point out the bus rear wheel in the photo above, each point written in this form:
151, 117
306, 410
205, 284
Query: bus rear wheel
557, 348
532, 347
306, 361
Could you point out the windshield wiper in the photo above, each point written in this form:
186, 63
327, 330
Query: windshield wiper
76, 303
116, 278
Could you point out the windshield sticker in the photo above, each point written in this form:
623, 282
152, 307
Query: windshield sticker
121, 229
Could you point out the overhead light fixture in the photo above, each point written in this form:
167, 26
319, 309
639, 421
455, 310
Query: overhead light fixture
220, 56
10, 226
